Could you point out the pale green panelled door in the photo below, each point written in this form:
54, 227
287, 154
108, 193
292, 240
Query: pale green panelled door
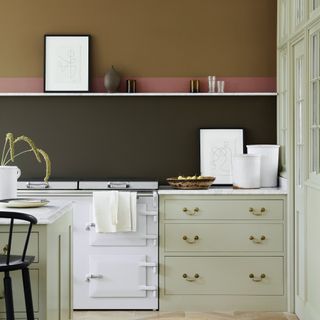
300, 144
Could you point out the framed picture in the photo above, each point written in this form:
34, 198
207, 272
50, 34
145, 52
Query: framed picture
66, 63
217, 146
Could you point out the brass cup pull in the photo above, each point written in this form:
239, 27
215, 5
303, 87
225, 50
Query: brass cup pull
257, 212
5, 249
258, 241
189, 212
195, 238
194, 278
257, 279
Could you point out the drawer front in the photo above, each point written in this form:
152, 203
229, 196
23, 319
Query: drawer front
223, 237
18, 241
18, 295
224, 275
223, 209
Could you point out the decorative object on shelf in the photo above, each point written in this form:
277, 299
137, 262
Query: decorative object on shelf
194, 86
269, 163
211, 84
187, 183
131, 86
217, 146
10, 174
112, 80
220, 86
66, 63
246, 171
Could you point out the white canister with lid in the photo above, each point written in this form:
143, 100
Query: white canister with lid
246, 171
269, 163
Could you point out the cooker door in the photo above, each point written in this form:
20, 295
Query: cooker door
113, 276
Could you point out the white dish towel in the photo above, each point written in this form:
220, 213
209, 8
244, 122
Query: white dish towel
115, 211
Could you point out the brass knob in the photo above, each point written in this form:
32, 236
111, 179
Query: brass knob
196, 238
185, 209
184, 237
251, 209
196, 209
263, 237
196, 276
251, 275
185, 275
251, 237
263, 210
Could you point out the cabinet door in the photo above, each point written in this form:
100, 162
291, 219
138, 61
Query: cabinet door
283, 110
283, 21
298, 14
299, 95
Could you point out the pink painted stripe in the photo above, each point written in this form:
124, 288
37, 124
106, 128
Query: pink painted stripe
146, 84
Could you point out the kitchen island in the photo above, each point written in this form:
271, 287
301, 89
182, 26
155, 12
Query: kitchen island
51, 272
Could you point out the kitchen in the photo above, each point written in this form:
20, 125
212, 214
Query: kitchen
266, 54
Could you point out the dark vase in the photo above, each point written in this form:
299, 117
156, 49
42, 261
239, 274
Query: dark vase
112, 80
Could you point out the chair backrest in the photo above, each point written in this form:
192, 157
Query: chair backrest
19, 217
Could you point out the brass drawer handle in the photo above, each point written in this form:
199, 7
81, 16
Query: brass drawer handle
256, 279
190, 279
5, 249
257, 212
195, 238
258, 241
191, 213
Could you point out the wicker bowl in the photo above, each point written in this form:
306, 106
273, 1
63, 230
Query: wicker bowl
188, 184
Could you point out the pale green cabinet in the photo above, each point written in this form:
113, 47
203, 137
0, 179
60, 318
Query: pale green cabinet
223, 252
51, 273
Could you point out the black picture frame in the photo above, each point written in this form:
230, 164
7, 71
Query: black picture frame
46, 85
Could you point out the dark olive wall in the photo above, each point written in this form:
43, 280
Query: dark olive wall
143, 137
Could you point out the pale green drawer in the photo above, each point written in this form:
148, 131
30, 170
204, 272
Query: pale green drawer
250, 237
223, 209
18, 295
223, 276
18, 241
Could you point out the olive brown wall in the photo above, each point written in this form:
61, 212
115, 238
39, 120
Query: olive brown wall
146, 38
144, 137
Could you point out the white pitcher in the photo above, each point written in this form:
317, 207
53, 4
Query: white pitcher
8, 181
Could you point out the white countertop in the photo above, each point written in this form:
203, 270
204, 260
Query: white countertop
45, 215
222, 191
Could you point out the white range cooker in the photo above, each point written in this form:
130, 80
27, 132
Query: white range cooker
110, 270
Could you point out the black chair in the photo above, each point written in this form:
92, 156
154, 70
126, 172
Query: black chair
9, 262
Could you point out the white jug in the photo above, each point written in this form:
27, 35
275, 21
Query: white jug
8, 181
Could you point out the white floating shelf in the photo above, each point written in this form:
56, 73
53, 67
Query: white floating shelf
139, 94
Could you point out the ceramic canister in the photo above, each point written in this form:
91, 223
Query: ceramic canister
269, 163
246, 171
8, 181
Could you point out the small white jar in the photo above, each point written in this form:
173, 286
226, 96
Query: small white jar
246, 170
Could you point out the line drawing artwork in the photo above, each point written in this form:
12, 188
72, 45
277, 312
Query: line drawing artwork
69, 66
220, 158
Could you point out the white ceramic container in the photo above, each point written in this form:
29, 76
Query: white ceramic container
8, 181
269, 163
246, 171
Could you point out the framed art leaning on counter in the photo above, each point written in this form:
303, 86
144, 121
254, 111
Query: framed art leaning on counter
217, 146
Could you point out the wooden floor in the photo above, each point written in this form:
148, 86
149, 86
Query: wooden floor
146, 315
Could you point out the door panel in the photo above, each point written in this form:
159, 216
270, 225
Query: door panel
116, 276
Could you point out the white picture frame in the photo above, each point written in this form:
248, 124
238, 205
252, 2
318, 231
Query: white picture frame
66, 63
217, 146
